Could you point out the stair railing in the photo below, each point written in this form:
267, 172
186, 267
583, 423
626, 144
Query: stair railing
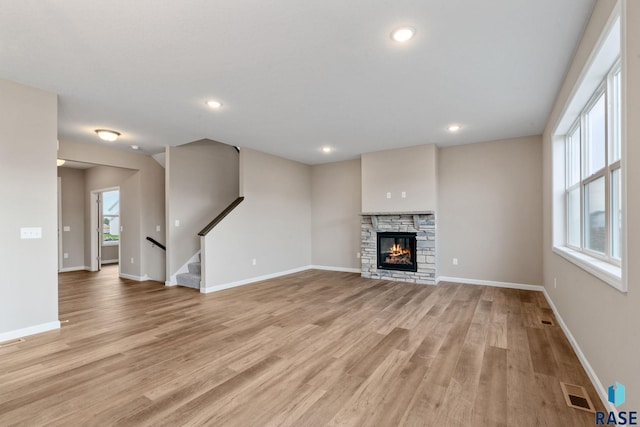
220, 217
156, 243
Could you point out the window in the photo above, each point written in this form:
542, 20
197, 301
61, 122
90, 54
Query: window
111, 217
587, 148
592, 175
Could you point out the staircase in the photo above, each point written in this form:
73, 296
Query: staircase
192, 278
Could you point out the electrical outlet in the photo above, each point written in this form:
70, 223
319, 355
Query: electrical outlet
177, 223
404, 194
131, 260
157, 228
358, 255
66, 255
388, 195
253, 261
455, 261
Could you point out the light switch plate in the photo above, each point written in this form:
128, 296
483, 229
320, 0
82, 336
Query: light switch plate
66, 228
31, 233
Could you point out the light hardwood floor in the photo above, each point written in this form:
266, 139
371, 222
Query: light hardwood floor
310, 349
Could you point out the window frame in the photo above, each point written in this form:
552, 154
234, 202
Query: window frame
604, 89
606, 52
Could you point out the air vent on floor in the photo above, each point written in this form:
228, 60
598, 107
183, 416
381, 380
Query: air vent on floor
576, 397
13, 342
546, 321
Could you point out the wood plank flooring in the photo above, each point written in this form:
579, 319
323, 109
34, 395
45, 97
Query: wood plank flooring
310, 349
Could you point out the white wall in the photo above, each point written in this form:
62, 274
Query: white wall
411, 170
272, 225
28, 190
202, 179
490, 211
335, 214
603, 320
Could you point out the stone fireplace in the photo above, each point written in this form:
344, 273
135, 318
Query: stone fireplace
399, 247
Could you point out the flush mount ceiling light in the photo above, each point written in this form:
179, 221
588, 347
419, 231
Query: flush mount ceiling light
403, 34
60, 162
214, 104
107, 135
135, 147
326, 149
454, 128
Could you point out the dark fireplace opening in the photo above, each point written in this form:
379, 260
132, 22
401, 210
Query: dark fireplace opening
397, 251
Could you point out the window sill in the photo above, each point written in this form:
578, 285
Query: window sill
608, 273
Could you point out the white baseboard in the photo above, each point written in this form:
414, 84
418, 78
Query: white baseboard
491, 283
110, 261
597, 384
31, 330
230, 285
80, 268
171, 283
328, 268
136, 278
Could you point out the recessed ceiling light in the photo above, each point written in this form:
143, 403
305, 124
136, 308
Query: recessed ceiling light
60, 162
135, 147
403, 34
326, 149
214, 104
107, 135
454, 128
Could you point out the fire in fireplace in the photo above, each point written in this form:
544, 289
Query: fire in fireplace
397, 251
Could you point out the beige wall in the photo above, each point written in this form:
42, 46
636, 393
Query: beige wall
335, 214
411, 170
73, 206
28, 190
148, 202
602, 320
272, 225
202, 180
490, 215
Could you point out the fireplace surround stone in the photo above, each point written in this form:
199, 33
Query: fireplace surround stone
421, 223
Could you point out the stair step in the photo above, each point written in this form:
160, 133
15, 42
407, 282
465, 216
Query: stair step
195, 268
188, 279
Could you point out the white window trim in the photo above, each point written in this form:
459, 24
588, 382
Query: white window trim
607, 272
611, 274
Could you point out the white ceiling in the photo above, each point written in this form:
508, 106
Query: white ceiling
294, 75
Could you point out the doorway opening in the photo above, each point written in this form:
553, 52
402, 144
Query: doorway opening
105, 228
